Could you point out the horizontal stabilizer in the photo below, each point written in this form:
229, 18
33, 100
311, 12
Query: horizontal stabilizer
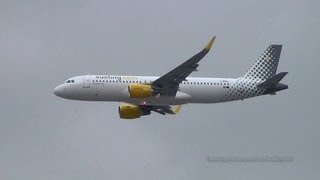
273, 81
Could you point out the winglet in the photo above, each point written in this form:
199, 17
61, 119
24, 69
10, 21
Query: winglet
209, 45
177, 110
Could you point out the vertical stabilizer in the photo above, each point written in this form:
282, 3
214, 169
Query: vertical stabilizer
266, 66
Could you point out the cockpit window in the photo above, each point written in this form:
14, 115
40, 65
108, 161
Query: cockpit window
70, 81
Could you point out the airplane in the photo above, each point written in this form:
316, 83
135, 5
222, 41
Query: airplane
142, 95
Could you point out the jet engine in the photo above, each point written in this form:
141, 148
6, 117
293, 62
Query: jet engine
130, 111
140, 90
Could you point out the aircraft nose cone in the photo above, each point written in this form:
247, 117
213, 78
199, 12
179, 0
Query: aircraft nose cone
58, 91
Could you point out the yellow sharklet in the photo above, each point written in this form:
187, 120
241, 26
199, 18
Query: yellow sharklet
178, 108
209, 45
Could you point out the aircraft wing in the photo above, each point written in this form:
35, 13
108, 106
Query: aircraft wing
162, 109
168, 84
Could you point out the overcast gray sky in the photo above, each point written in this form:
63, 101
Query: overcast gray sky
42, 43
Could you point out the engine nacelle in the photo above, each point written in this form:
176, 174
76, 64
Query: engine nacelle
130, 111
140, 90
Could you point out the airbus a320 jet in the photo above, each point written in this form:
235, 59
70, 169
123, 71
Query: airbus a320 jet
142, 95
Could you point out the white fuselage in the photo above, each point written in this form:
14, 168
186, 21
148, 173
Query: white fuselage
115, 88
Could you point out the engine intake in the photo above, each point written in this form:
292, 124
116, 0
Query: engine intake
140, 90
130, 111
